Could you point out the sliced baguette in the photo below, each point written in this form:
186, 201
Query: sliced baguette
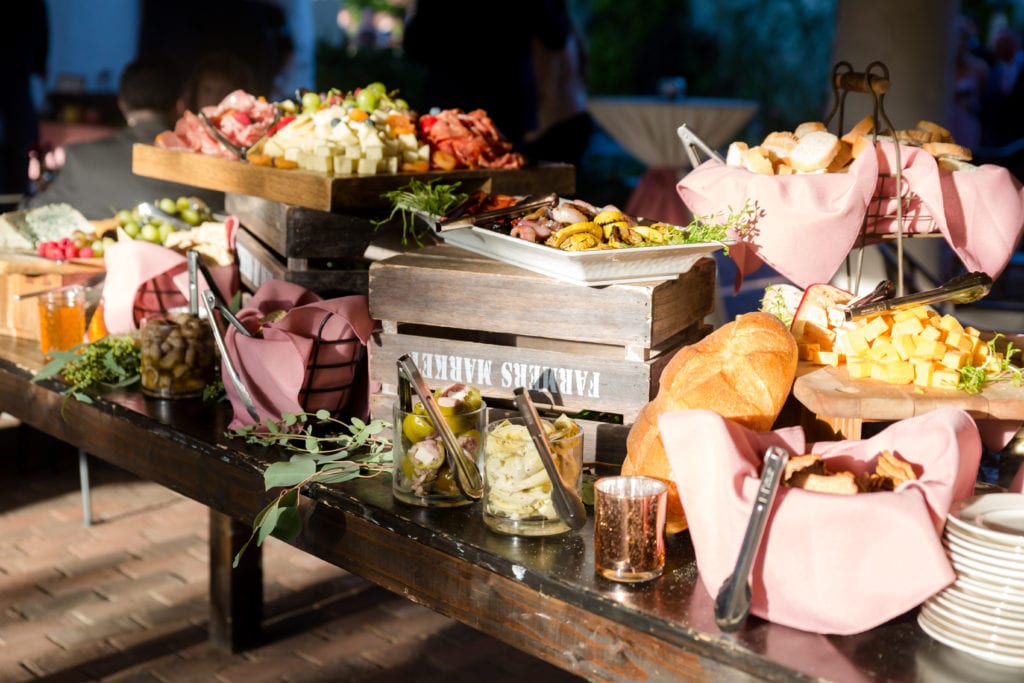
814, 152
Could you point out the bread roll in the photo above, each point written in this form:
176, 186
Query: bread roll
756, 160
814, 152
743, 371
734, 156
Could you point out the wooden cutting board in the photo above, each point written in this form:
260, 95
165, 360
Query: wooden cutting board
20, 263
328, 192
831, 392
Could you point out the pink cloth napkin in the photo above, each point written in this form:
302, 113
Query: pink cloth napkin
136, 268
808, 224
831, 564
274, 367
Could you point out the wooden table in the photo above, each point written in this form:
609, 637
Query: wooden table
540, 595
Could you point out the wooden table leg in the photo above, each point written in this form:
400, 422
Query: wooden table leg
236, 595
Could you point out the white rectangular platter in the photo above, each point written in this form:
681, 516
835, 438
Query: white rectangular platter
592, 268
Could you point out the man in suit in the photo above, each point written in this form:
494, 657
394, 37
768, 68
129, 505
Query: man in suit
97, 177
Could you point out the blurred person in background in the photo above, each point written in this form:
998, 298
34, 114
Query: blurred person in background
563, 127
216, 74
23, 54
969, 78
97, 177
498, 79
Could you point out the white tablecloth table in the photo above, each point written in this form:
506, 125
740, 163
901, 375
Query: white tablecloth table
646, 128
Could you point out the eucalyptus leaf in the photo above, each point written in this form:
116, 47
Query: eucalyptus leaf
288, 473
289, 524
269, 522
335, 473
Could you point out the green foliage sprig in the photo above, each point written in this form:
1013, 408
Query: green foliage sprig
110, 362
717, 227
324, 450
421, 198
997, 368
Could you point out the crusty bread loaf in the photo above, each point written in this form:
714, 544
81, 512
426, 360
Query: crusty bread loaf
743, 371
814, 152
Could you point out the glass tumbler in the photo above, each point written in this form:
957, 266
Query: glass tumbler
61, 320
629, 527
421, 475
517, 490
178, 356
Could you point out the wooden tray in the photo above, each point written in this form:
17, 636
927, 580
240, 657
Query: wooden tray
830, 392
327, 192
29, 264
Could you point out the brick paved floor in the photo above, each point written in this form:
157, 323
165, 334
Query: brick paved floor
125, 600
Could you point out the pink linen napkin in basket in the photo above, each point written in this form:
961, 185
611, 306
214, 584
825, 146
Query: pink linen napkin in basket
807, 224
829, 563
274, 366
136, 269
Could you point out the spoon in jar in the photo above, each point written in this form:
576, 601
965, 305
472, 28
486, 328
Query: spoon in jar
733, 602
567, 502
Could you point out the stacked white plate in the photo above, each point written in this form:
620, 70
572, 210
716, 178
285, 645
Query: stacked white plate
982, 611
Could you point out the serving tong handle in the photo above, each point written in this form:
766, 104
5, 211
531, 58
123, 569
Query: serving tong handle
467, 476
692, 142
567, 502
196, 266
962, 289
210, 302
732, 605
469, 220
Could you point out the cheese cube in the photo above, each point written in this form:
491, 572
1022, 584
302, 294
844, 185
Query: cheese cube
904, 345
880, 372
930, 332
900, 372
929, 349
953, 359
923, 372
908, 327
367, 167
828, 358
950, 324
946, 379
859, 368
876, 326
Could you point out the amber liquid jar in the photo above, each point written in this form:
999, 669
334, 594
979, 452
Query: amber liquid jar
178, 356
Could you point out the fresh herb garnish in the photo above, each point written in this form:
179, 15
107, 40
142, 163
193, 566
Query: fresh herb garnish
716, 227
997, 367
110, 362
318, 455
424, 199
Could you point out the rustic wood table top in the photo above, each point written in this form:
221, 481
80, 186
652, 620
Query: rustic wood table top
540, 595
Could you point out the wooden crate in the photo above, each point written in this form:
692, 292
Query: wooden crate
258, 263
470, 319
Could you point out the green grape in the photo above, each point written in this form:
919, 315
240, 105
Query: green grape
310, 101
150, 232
168, 205
163, 231
377, 87
183, 203
191, 216
124, 216
367, 100
131, 228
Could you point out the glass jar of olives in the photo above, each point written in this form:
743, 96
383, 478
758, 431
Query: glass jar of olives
421, 473
178, 355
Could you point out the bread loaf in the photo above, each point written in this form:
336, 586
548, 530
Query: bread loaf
743, 371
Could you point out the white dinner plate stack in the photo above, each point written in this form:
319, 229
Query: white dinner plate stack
982, 611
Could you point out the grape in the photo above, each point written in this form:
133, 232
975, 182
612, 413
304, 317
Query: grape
310, 101
191, 216
367, 100
183, 203
131, 228
98, 247
150, 232
124, 216
163, 231
167, 205
377, 87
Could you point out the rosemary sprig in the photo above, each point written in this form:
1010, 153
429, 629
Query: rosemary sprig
997, 368
424, 198
324, 450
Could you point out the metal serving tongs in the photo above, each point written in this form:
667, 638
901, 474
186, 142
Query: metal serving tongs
458, 220
733, 602
692, 142
214, 300
567, 502
461, 464
962, 289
